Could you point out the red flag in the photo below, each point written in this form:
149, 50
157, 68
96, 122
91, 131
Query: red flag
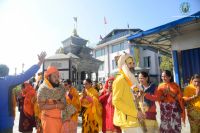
105, 21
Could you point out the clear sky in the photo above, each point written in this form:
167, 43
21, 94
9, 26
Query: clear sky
28, 27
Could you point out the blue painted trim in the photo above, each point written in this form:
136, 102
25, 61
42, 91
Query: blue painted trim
176, 66
167, 26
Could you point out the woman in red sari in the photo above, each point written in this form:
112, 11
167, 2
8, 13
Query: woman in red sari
108, 109
171, 104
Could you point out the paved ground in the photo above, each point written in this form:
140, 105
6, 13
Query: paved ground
15, 129
185, 129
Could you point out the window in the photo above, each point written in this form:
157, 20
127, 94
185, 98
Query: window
117, 47
100, 52
101, 67
114, 65
147, 61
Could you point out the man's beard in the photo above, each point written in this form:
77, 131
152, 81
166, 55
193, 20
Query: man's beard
129, 72
132, 70
54, 84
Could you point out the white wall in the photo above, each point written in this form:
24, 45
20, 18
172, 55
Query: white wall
187, 41
154, 60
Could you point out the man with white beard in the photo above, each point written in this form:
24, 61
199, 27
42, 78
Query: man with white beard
126, 114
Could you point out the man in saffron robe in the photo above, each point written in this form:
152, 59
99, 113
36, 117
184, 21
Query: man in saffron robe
51, 100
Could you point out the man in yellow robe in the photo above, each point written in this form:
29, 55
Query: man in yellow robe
126, 114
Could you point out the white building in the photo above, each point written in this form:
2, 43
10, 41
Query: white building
116, 43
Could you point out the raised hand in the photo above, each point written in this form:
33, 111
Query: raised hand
166, 91
84, 92
41, 57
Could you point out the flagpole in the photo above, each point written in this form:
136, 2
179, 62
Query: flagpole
105, 22
76, 24
104, 30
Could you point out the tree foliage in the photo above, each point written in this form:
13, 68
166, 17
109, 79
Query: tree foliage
166, 63
137, 55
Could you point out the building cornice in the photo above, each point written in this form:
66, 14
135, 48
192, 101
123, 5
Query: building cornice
123, 38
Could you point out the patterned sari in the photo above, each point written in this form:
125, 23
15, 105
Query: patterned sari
150, 109
171, 107
193, 109
51, 119
92, 115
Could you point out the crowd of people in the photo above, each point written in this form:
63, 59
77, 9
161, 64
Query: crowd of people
123, 104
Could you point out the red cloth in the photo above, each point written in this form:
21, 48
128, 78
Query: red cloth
108, 110
106, 84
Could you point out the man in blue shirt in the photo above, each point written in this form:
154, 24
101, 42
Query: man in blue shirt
7, 82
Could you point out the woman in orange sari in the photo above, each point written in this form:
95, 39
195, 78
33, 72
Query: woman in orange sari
192, 99
26, 108
171, 104
72, 98
51, 100
92, 118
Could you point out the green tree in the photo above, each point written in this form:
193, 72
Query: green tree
166, 63
137, 55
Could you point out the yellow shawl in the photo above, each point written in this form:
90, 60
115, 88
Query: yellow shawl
189, 91
95, 107
75, 102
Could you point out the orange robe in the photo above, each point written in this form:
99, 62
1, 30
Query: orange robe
51, 119
29, 93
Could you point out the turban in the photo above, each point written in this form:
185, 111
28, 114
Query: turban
123, 59
51, 70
